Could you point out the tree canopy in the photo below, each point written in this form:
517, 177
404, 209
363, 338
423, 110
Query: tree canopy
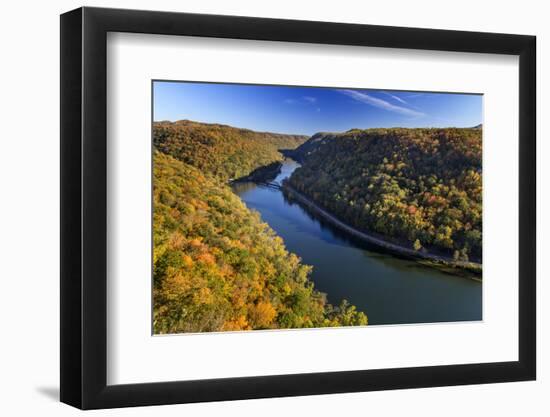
419, 187
216, 265
223, 151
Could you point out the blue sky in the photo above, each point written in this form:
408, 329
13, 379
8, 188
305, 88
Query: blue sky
307, 110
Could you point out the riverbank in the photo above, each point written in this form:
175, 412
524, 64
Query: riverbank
428, 259
392, 289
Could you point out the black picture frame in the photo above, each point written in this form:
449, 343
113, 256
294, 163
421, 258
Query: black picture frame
84, 207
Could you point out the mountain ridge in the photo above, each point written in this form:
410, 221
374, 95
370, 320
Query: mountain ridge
419, 187
224, 151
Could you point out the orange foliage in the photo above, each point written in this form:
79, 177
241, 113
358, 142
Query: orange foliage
262, 314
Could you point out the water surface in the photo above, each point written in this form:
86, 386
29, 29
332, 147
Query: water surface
390, 290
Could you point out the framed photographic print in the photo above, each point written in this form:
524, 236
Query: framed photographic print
257, 208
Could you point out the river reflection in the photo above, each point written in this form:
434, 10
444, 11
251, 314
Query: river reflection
390, 290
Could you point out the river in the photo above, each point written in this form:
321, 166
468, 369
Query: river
390, 290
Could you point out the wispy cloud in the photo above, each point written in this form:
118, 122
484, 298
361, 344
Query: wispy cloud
304, 101
381, 104
415, 95
396, 98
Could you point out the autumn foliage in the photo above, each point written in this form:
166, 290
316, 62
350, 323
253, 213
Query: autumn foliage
217, 266
222, 151
418, 187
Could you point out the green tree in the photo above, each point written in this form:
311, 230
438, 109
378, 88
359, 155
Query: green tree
405, 184
217, 266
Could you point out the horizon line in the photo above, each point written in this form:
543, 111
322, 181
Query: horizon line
479, 125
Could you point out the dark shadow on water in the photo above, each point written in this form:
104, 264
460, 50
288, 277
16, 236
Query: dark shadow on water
327, 232
371, 251
242, 187
338, 235
391, 289
50, 392
333, 235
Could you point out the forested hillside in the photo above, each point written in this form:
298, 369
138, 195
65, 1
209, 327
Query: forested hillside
419, 187
223, 151
218, 267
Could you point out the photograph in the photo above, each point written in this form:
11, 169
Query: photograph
293, 207
264, 206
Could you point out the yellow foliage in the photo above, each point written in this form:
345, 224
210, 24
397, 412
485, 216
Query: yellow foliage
262, 314
187, 260
203, 296
216, 267
176, 284
240, 323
